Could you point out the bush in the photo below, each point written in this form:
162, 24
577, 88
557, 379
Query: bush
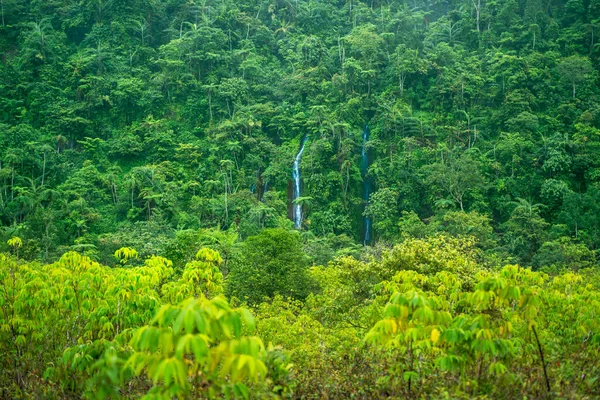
269, 263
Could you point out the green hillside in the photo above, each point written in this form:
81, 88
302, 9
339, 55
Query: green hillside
299, 199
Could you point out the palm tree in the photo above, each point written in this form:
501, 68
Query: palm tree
44, 149
192, 185
81, 225
150, 199
61, 141
49, 196
222, 241
141, 26
27, 198
284, 27
113, 172
101, 54
142, 178
262, 212
12, 157
37, 41
212, 186
100, 7
526, 208
226, 170
131, 183
233, 147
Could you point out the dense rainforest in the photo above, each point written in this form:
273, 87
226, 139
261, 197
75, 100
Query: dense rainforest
133, 123
299, 198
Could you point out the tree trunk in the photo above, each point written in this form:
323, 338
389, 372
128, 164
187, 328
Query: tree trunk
44, 169
477, 12
12, 183
539, 345
402, 78
226, 205
210, 104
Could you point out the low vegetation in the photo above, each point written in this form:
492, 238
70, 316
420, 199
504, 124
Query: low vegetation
427, 318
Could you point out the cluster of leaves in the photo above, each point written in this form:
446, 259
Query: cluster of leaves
76, 326
427, 319
503, 329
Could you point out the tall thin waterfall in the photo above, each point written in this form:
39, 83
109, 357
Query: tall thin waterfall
265, 188
296, 176
367, 184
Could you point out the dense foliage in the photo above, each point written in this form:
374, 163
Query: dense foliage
424, 319
444, 157
125, 123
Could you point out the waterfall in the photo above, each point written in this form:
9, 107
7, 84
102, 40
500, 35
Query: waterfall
296, 177
367, 184
265, 188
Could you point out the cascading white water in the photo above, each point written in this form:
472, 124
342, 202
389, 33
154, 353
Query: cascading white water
296, 177
367, 183
265, 188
